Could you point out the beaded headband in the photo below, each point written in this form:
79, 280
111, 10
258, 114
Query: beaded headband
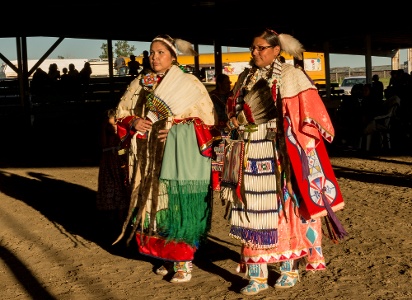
178, 46
167, 43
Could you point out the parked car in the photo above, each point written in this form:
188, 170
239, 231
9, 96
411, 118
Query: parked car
349, 82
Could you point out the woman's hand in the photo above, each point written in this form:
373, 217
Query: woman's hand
143, 125
233, 123
162, 135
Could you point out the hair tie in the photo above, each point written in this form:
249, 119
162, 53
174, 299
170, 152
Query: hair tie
271, 30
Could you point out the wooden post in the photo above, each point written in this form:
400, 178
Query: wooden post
395, 61
409, 57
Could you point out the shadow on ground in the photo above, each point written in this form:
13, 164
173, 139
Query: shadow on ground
69, 137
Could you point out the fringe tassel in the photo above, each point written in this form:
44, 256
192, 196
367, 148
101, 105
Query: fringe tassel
265, 238
305, 165
242, 195
331, 233
336, 226
189, 211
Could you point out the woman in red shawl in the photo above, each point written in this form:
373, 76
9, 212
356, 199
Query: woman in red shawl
278, 165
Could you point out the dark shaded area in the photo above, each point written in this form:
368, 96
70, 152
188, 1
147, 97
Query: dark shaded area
66, 135
24, 275
213, 250
314, 30
395, 179
59, 128
61, 202
61, 135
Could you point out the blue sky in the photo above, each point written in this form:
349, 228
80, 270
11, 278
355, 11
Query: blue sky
78, 48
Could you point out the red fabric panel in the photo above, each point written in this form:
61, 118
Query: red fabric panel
158, 247
321, 178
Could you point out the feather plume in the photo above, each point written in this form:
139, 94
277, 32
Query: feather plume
261, 103
291, 45
185, 47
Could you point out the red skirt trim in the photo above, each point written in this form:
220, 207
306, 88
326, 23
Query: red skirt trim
167, 250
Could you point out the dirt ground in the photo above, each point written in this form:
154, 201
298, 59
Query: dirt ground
51, 247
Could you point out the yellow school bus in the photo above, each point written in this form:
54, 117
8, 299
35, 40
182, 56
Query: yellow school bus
234, 62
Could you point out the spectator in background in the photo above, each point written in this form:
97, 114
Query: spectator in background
54, 77
134, 66
112, 190
219, 98
120, 66
73, 73
65, 74
146, 62
74, 82
54, 73
351, 117
85, 73
65, 83
382, 122
377, 88
84, 77
39, 82
370, 105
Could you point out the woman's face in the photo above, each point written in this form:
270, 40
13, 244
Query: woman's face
160, 57
266, 56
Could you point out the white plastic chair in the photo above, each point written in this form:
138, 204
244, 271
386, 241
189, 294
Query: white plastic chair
382, 126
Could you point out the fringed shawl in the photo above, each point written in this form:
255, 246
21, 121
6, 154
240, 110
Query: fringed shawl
186, 96
310, 120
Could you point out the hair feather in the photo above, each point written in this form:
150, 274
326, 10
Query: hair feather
184, 47
291, 45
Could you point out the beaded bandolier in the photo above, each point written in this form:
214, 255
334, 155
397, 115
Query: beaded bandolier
256, 102
281, 167
267, 173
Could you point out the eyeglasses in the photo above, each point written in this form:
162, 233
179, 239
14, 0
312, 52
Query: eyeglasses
259, 48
